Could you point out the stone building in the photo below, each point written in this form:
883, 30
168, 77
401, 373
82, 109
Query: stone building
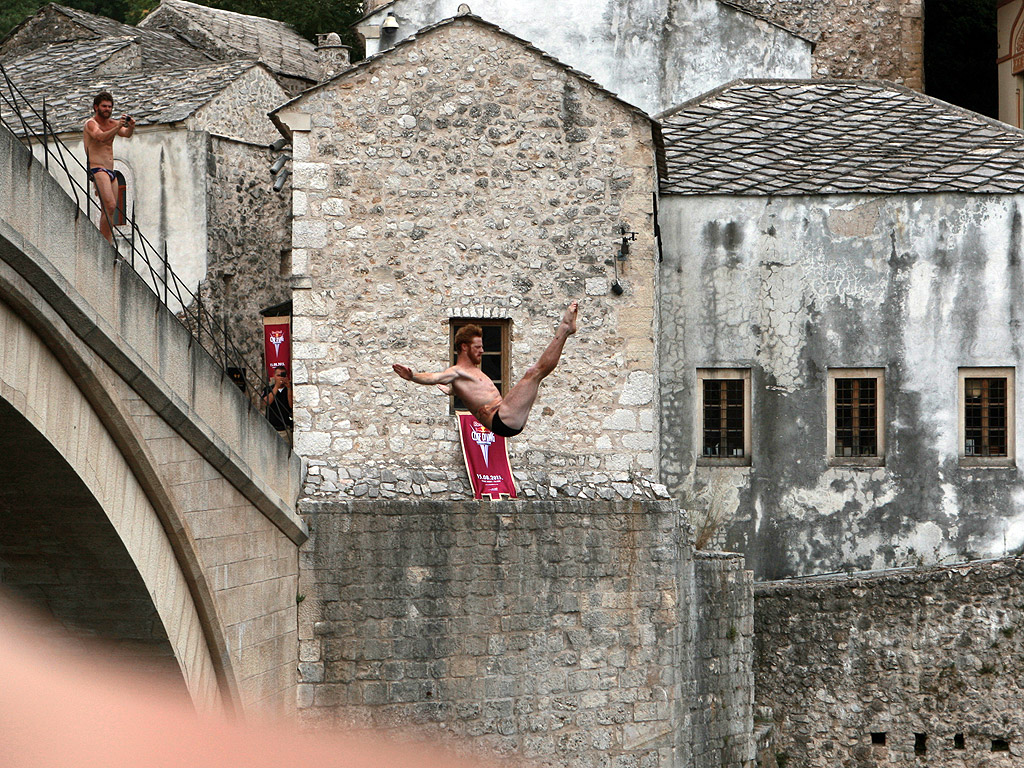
879, 39
224, 35
848, 253
654, 53
195, 174
466, 175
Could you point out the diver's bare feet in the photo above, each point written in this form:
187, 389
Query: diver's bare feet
569, 318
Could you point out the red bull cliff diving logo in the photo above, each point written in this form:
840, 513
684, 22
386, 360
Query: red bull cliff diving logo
483, 437
277, 339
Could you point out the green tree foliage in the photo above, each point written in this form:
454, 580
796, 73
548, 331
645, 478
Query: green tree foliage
309, 17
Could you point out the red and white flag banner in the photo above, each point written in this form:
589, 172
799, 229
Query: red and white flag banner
486, 458
277, 343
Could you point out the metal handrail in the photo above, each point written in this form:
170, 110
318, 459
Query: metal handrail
33, 128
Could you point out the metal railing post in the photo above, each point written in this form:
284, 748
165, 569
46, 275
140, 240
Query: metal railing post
46, 145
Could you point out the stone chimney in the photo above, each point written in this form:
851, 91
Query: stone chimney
331, 55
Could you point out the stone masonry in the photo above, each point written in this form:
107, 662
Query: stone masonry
723, 711
901, 668
463, 174
874, 39
247, 222
564, 632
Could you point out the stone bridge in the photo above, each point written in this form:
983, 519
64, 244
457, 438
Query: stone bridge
144, 500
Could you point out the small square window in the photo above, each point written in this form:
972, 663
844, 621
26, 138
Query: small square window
724, 416
495, 361
986, 422
855, 422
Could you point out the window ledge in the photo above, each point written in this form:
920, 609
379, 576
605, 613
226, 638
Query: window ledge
865, 462
986, 462
710, 461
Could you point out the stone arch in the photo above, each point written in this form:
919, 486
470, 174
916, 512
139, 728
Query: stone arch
62, 389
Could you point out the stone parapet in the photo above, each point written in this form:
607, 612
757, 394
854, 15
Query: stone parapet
908, 667
557, 631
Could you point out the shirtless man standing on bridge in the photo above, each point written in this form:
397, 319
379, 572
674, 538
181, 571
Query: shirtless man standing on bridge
100, 132
505, 417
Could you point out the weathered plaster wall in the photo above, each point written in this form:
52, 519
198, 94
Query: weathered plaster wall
463, 175
653, 53
934, 652
165, 169
562, 632
875, 39
788, 287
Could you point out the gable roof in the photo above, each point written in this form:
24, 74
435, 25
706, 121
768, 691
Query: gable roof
55, 23
803, 137
751, 8
165, 96
236, 35
483, 23
655, 127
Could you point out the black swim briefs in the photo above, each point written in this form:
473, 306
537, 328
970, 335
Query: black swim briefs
498, 427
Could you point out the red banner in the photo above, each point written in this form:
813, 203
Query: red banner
486, 458
277, 343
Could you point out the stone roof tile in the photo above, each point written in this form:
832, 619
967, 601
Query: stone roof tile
274, 43
156, 49
159, 97
779, 137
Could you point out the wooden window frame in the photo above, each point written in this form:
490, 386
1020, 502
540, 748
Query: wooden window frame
972, 461
506, 347
834, 374
723, 374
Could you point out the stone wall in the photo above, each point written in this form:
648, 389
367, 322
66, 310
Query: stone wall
248, 223
240, 110
464, 175
561, 632
874, 39
789, 287
723, 718
248, 265
915, 667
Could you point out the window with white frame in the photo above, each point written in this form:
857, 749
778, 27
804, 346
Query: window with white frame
986, 423
724, 416
855, 423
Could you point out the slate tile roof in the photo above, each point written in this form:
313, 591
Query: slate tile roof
158, 49
164, 96
818, 137
274, 43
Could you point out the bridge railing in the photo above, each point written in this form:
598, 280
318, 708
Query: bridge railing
31, 126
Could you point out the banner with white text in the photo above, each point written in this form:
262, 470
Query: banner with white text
486, 458
277, 343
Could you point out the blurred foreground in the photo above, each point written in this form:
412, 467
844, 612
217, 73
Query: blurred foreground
65, 707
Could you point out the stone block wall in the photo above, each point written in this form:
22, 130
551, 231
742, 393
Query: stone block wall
723, 713
249, 248
248, 223
903, 668
465, 175
875, 39
561, 631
